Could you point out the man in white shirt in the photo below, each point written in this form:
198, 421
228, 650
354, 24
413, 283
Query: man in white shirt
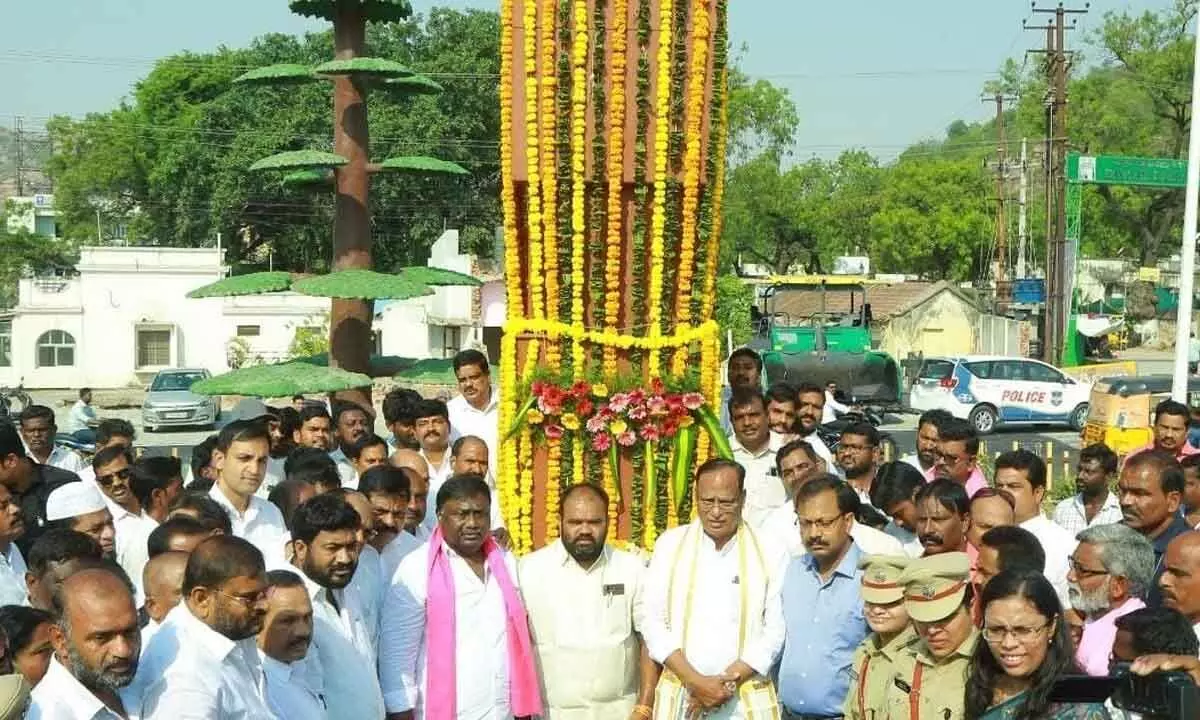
315, 429
469, 455
476, 410
810, 407
473, 585
110, 432
351, 423
241, 461
113, 468
12, 563
326, 546
928, 440
367, 452
155, 482
37, 431
754, 447
718, 628
203, 661
833, 409
856, 454
81, 420
742, 370
417, 471
96, 644
162, 580
895, 494
1093, 504
80, 507
781, 409
293, 689
593, 662
1023, 475
387, 490
433, 432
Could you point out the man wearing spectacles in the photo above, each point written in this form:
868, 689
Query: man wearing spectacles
113, 468
1110, 572
327, 545
203, 661
822, 603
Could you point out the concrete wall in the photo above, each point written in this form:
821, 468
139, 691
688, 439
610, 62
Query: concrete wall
945, 325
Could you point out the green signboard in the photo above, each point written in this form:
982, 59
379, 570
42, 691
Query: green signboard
1134, 171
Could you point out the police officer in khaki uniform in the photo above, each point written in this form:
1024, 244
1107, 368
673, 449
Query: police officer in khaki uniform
930, 677
893, 635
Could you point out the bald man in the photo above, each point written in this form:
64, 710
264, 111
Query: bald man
163, 582
96, 645
418, 477
1180, 580
469, 456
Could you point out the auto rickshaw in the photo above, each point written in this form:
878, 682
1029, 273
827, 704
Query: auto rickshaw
1121, 410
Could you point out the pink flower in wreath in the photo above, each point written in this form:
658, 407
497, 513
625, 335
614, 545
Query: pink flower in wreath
650, 433
584, 408
580, 390
656, 405
637, 397
627, 438
638, 413
596, 423
601, 442
617, 403
693, 400
553, 432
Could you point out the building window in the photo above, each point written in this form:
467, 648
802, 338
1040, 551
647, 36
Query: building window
55, 348
153, 348
450, 341
6, 343
248, 330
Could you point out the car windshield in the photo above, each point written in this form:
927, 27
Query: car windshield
175, 381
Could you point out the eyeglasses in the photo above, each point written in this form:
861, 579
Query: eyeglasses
1083, 572
110, 478
1020, 634
710, 503
247, 601
818, 524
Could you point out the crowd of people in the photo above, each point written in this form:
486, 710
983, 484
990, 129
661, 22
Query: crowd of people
306, 567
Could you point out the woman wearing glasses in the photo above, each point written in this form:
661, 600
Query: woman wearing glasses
1026, 649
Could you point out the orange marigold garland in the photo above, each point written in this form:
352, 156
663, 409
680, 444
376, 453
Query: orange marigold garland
658, 219
693, 116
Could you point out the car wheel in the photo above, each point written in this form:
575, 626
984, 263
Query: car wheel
983, 418
1079, 417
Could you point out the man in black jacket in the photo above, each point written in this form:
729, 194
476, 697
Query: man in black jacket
29, 482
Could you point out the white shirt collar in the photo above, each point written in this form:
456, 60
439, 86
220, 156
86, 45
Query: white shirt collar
194, 628
61, 691
773, 445
217, 494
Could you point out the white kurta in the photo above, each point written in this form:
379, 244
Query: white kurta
588, 649
343, 649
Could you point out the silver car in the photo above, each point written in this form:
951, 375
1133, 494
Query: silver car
170, 401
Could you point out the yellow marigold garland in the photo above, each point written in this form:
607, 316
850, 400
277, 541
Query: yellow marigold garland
534, 275
523, 536
658, 218
552, 329
610, 487
548, 148
512, 261
616, 178
579, 57
506, 484
693, 116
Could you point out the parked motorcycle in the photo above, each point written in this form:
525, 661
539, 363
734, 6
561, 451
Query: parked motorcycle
68, 441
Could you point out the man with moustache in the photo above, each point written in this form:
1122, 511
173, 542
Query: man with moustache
1150, 490
1180, 582
822, 603
417, 471
1110, 573
594, 664
743, 370
351, 423
12, 562
469, 455
928, 440
1171, 421
754, 447
241, 461
716, 646
203, 662
856, 458
943, 517
957, 456
781, 409
96, 644
476, 409
326, 549
293, 690
1093, 503
397, 416
433, 431
810, 406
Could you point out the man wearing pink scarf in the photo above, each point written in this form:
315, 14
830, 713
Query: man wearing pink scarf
454, 640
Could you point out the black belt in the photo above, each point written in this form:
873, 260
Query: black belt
792, 715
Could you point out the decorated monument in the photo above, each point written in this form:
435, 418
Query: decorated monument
612, 156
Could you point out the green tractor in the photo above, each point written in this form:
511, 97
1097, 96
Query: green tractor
825, 344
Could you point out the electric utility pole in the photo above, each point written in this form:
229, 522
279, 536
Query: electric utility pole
1003, 284
1058, 305
1022, 219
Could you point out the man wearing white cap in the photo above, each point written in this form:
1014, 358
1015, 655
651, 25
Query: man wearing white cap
79, 506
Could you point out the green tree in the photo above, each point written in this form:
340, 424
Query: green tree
733, 303
762, 119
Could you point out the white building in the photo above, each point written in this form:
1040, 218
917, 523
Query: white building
33, 214
125, 314
453, 318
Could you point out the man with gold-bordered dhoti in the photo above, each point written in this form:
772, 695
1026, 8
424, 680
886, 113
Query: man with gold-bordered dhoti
713, 614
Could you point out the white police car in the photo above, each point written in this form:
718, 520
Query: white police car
989, 391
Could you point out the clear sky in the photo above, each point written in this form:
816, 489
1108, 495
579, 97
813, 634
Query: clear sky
874, 74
